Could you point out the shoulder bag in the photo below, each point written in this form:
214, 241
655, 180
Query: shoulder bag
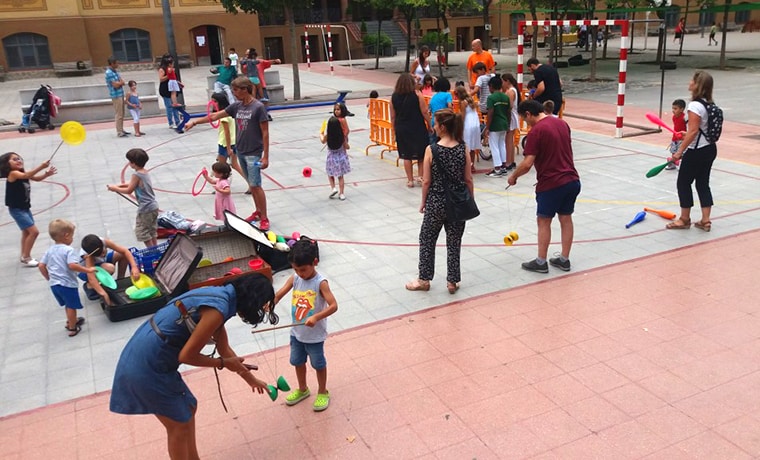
460, 204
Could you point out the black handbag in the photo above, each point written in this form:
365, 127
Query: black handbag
460, 204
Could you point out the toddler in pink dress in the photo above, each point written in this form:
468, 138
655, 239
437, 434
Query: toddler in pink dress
221, 183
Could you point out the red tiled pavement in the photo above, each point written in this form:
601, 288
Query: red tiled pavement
654, 376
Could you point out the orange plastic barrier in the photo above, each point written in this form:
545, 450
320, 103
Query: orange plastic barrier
380, 127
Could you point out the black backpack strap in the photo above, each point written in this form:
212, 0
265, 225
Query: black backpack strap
702, 133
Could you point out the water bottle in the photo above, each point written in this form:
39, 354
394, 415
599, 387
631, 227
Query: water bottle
257, 164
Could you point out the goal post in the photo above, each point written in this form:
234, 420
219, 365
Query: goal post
624, 28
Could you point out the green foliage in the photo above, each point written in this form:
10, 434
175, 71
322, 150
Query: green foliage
431, 39
363, 27
371, 39
263, 6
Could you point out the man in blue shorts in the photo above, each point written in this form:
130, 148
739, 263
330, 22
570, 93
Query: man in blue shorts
549, 148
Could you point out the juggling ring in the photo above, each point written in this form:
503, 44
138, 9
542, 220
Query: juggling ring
213, 104
197, 178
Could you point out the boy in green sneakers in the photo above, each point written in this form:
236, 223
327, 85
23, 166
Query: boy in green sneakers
312, 302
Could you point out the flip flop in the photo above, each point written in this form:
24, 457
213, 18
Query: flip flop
72, 332
80, 321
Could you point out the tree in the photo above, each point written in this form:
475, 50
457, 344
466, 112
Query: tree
409, 9
267, 6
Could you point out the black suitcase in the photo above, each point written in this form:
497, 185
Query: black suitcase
171, 275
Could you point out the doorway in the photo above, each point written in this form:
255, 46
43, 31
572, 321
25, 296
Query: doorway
207, 45
463, 38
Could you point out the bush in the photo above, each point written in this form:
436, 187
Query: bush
363, 28
431, 40
370, 40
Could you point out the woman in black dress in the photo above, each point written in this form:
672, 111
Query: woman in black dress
411, 121
452, 154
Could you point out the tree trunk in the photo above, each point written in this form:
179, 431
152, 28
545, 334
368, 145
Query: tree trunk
683, 32
408, 41
293, 50
724, 35
594, 31
377, 44
534, 15
485, 36
445, 50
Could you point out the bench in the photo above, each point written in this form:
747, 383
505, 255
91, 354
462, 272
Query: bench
72, 69
185, 61
88, 103
275, 89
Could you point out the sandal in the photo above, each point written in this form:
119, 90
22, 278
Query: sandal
75, 331
418, 180
705, 226
80, 321
453, 287
418, 285
679, 224
410, 183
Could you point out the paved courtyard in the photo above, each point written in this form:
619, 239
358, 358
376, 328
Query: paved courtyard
649, 346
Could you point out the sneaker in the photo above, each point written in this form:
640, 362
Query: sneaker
534, 266
264, 99
494, 173
557, 262
297, 396
670, 166
503, 172
123, 134
322, 402
253, 217
90, 293
333, 193
248, 192
269, 117
342, 197
512, 166
30, 262
264, 225
172, 126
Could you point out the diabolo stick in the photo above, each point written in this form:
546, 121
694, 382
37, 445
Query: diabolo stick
254, 331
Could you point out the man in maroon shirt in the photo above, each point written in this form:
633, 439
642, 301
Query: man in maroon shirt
549, 148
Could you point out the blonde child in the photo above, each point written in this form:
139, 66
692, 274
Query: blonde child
135, 106
146, 222
58, 266
221, 183
469, 109
312, 302
174, 85
111, 257
227, 135
17, 198
549, 107
335, 136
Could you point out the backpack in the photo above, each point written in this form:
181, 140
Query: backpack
714, 121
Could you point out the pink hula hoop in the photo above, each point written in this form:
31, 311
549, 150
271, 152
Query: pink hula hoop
197, 178
211, 104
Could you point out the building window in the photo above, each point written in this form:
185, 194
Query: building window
27, 51
742, 16
131, 45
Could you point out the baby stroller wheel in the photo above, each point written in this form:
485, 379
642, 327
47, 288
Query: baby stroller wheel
30, 130
522, 141
50, 127
21, 129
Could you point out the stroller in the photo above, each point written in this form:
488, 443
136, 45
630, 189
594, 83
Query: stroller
44, 106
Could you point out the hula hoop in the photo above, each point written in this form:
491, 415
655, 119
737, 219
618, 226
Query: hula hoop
213, 104
197, 178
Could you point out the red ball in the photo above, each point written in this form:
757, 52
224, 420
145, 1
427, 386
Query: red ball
306, 171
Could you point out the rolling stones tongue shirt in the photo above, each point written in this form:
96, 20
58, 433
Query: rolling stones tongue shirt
307, 302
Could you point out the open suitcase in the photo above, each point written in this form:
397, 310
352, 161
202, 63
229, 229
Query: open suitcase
171, 277
230, 253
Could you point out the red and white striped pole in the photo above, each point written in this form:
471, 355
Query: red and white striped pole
308, 58
329, 49
621, 77
520, 50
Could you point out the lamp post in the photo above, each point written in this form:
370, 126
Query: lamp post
170, 42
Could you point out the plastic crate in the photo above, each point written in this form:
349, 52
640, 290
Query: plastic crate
147, 258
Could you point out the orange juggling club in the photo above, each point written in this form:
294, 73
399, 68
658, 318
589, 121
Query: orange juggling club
662, 213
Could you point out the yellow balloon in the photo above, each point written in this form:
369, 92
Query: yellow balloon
271, 236
73, 133
323, 128
508, 240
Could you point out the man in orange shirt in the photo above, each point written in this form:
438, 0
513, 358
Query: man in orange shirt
479, 55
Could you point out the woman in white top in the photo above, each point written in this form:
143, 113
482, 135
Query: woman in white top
698, 155
421, 65
510, 88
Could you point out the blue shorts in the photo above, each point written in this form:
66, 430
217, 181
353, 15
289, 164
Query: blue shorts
23, 217
559, 200
315, 351
108, 259
252, 171
222, 151
67, 297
